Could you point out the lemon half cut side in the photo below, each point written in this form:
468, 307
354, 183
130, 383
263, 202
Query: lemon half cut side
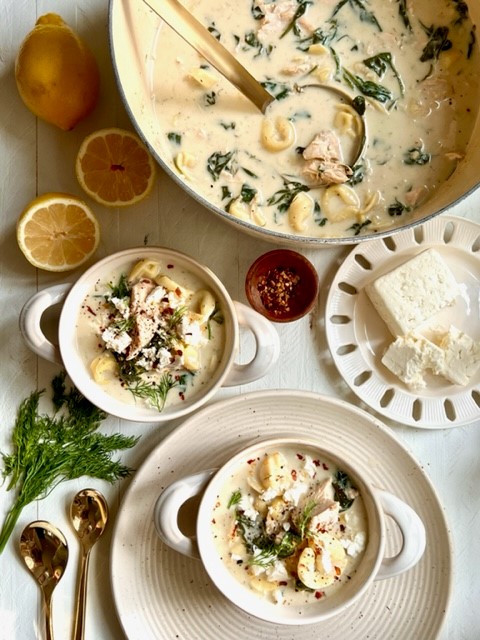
57, 232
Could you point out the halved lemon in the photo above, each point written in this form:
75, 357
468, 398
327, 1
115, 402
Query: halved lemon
57, 232
115, 168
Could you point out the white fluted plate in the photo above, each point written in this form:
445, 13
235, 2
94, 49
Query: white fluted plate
358, 337
161, 595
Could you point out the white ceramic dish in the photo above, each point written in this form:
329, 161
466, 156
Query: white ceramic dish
357, 336
160, 594
134, 37
375, 564
227, 373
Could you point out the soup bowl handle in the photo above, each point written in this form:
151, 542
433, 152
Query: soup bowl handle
267, 347
413, 534
167, 507
30, 318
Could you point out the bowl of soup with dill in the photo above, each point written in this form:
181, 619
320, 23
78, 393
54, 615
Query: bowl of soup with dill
409, 72
290, 532
150, 334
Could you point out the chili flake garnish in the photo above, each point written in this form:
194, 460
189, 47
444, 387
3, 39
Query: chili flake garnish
277, 288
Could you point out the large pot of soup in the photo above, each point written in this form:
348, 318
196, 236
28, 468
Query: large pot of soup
292, 175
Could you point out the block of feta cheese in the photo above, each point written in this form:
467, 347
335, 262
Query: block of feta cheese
413, 292
410, 357
462, 356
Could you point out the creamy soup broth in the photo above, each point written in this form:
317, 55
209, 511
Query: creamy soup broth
414, 64
274, 506
108, 330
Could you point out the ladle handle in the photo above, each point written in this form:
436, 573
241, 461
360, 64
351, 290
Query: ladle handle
81, 601
196, 35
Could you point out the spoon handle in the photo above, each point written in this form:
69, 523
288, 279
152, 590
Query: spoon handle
81, 600
47, 597
196, 35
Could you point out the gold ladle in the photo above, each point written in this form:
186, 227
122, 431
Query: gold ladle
45, 551
197, 36
89, 515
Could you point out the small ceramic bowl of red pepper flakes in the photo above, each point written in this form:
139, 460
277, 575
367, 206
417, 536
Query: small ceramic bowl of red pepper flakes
282, 285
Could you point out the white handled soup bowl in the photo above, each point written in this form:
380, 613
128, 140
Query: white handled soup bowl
290, 532
86, 351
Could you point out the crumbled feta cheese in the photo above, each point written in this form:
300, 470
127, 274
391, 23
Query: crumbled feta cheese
295, 492
190, 331
277, 572
278, 596
269, 494
411, 356
246, 505
326, 560
355, 546
118, 342
122, 305
462, 356
309, 467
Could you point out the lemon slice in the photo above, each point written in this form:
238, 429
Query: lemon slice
115, 168
57, 232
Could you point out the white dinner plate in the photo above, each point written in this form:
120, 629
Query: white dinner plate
162, 595
357, 337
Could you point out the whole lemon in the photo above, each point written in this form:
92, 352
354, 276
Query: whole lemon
57, 75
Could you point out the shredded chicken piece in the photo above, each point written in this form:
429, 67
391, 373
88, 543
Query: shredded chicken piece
277, 18
145, 320
324, 158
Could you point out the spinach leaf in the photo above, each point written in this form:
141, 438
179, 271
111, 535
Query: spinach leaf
416, 155
364, 14
320, 36
341, 487
403, 11
283, 197
397, 208
358, 226
247, 193
461, 8
218, 162
210, 99
438, 42
174, 137
367, 87
380, 64
279, 90
252, 41
214, 31
302, 7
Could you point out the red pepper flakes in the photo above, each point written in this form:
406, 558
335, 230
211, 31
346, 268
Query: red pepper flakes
278, 288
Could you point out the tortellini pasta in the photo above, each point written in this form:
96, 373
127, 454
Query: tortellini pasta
103, 365
277, 135
144, 269
300, 210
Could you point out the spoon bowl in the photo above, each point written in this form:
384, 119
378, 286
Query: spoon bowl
45, 552
89, 515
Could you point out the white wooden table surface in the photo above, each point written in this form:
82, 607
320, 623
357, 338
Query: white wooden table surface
36, 157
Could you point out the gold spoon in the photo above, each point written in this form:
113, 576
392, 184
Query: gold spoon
89, 514
196, 35
45, 551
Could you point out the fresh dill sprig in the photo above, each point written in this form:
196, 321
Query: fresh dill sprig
234, 498
48, 449
155, 393
121, 289
302, 523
